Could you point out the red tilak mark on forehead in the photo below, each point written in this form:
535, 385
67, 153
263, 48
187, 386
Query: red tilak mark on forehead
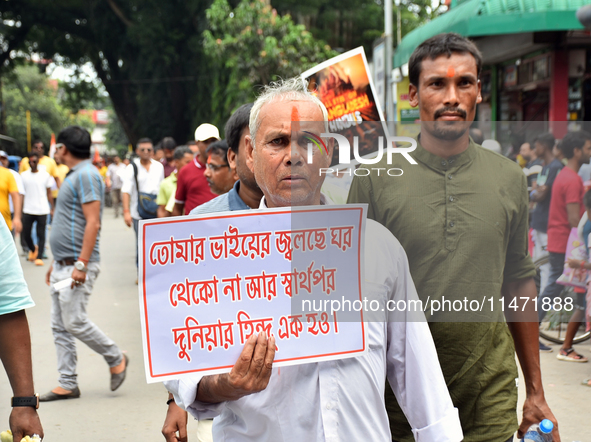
451, 72
295, 117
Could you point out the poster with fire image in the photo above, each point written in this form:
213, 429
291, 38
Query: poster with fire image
344, 85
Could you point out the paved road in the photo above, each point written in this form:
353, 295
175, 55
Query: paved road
137, 409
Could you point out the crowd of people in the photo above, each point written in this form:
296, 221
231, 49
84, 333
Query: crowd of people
559, 194
429, 234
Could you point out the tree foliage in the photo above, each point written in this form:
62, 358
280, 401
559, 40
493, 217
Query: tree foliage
164, 76
253, 45
80, 92
147, 54
115, 138
26, 89
346, 24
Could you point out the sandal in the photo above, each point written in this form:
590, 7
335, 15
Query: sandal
587, 382
570, 355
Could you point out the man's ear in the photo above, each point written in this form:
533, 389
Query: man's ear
479, 97
231, 157
413, 95
249, 151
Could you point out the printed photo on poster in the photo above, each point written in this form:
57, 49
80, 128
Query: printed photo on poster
345, 86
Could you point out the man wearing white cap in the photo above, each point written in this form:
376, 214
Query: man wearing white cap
192, 188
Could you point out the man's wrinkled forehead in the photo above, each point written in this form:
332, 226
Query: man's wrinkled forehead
293, 110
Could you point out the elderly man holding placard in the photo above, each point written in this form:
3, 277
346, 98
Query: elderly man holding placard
341, 399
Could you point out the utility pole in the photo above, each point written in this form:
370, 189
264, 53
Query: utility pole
2, 108
398, 23
388, 43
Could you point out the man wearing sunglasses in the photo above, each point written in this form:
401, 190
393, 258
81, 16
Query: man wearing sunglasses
148, 177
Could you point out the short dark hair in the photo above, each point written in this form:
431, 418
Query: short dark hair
144, 140
572, 141
191, 143
587, 199
441, 44
37, 140
180, 152
546, 139
33, 154
168, 143
236, 124
77, 141
219, 148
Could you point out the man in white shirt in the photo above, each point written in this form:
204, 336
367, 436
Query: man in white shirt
339, 400
150, 174
38, 203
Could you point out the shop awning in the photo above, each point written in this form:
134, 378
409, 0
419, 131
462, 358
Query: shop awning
477, 18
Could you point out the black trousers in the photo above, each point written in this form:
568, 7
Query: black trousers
28, 221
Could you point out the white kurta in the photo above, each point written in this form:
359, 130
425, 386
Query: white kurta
344, 400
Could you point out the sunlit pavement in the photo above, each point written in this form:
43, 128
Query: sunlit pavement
136, 410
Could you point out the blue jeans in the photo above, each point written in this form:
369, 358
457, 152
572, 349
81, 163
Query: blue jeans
552, 290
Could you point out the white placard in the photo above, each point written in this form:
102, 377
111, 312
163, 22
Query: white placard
207, 283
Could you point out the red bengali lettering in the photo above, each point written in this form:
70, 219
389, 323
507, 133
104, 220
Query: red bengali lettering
187, 250
261, 286
233, 243
292, 326
216, 335
341, 237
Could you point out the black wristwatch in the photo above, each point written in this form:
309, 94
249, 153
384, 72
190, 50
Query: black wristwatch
26, 401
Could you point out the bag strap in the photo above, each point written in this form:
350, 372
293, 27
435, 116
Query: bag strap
137, 186
135, 172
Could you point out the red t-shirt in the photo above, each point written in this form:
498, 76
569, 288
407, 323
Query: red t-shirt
192, 188
567, 188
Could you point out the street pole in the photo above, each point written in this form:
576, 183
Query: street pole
3, 110
398, 23
388, 22
28, 113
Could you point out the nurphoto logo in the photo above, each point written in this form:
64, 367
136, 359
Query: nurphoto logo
392, 148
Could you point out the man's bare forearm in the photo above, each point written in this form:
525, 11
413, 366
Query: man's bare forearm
526, 338
90, 233
17, 202
50, 199
524, 328
15, 352
178, 209
210, 390
93, 224
125, 201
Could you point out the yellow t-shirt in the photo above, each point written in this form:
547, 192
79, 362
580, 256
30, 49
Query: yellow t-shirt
103, 171
61, 172
7, 185
49, 164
